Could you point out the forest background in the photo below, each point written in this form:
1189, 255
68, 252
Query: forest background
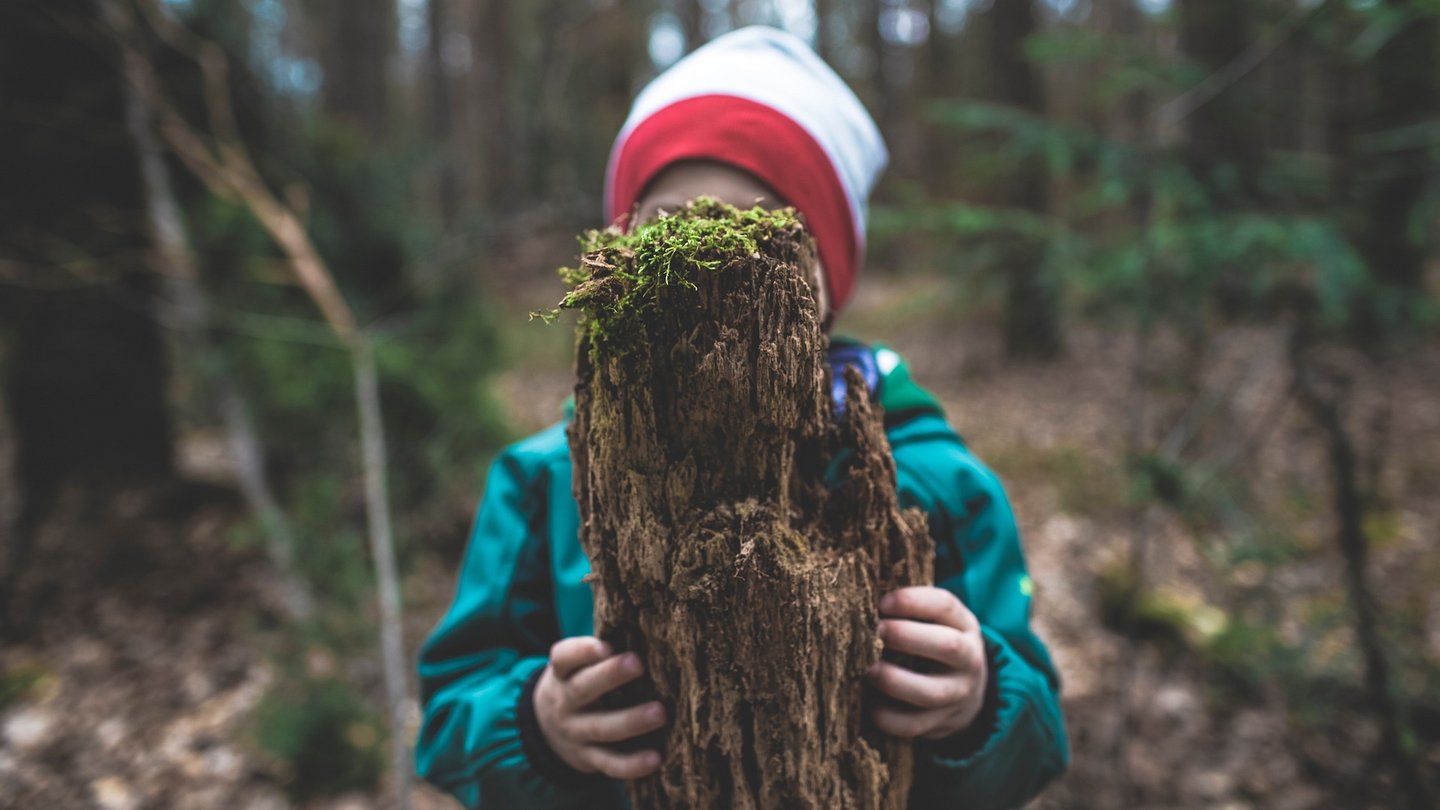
265, 271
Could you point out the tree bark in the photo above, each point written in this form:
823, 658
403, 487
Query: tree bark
700, 440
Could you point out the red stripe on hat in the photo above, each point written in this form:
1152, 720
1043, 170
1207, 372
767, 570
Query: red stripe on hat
758, 139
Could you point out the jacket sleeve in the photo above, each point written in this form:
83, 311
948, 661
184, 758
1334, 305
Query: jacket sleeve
494, 638
1018, 743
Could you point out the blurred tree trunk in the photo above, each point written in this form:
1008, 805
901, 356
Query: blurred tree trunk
358, 43
490, 73
872, 41
1124, 21
442, 118
1313, 126
1222, 133
87, 369
824, 32
1327, 399
692, 22
1405, 95
1032, 318
934, 72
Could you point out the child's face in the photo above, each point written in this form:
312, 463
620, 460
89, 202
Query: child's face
682, 182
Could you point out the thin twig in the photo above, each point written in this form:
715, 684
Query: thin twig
382, 549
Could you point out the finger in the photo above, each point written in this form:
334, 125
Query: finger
617, 765
619, 725
904, 723
922, 691
931, 604
568, 655
589, 683
955, 649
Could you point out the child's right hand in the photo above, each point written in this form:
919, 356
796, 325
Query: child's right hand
581, 670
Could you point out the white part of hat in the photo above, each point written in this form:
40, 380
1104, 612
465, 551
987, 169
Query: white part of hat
777, 69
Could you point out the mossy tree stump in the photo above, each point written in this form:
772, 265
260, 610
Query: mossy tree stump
702, 435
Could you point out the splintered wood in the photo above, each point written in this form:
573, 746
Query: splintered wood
703, 440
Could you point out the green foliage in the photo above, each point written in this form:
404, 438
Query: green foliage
360, 218
1088, 483
441, 412
1173, 621
1249, 655
1120, 65
19, 683
442, 422
1157, 233
322, 737
1142, 234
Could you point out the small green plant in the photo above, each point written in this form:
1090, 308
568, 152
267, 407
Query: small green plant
1173, 621
1249, 655
19, 683
323, 737
623, 275
1089, 485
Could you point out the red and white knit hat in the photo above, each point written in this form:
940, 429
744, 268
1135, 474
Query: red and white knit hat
761, 100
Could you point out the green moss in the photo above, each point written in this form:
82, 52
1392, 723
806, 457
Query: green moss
623, 277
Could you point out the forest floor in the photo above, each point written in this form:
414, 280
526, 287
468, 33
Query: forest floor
146, 648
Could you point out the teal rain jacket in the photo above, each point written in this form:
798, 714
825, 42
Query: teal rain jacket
520, 589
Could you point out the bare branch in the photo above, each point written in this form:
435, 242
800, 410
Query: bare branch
228, 171
214, 67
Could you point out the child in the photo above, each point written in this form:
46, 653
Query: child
511, 676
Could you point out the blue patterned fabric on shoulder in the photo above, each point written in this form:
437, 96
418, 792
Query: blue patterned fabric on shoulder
860, 356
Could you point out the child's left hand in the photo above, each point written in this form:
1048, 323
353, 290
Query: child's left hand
933, 624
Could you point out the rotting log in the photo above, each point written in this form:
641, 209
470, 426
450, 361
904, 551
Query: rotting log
740, 531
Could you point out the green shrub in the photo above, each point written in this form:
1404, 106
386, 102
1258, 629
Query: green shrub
322, 737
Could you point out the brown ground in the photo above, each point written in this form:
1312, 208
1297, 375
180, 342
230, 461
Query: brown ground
152, 646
